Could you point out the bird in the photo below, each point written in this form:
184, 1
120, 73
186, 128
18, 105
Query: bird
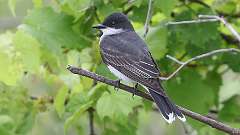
127, 56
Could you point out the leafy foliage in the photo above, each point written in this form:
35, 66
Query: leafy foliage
39, 96
119, 110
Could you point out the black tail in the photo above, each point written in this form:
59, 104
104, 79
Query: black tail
168, 109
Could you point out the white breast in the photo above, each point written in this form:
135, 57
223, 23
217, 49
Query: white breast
112, 31
119, 74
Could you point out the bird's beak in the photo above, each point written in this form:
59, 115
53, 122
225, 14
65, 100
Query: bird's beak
99, 26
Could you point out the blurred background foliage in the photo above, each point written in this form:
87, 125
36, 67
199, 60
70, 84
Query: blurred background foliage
38, 38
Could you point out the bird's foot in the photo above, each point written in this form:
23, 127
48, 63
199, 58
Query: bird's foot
135, 89
117, 82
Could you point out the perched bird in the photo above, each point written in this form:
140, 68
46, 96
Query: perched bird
127, 57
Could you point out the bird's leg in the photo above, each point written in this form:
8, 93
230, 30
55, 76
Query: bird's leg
135, 89
117, 82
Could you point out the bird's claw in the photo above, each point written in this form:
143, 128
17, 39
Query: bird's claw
135, 90
117, 82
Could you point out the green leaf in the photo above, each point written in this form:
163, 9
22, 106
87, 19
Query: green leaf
139, 13
147, 105
27, 47
76, 116
6, 122
17, 111
129, 128
27, 123
74, 7
116, 106
231, 60
214, 80
197, 37
117, 3
180, 87
157, 41
231, 109
96, 92
78, 97
86, 60
53, 30
166, 6
6, 125
106, 9
225, 6
37, 3
191, 91
104, 71
86, 22
73, 57
11, 69
54, 62
210, 131
59, 101
230, 86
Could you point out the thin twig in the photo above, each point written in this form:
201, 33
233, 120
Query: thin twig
48, 99
221, 19
230, 39
91, 118
209, 18
148, 18
201, 2
128, 10
203, 18
211, 122
192, 21
233, 15
183, 64
174, 59
91, 114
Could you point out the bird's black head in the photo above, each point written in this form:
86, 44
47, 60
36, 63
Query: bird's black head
116, 21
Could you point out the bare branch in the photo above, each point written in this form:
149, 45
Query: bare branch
183, 64
230, 39
221, 19
149, 16
174, 59
211, 122
193, 21
209, 18
203, 18
48, 99
91, 124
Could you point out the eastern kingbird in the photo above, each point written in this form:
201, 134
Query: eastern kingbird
127, 57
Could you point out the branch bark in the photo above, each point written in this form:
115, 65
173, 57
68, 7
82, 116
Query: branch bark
183, 64
91, 124
230, 39
192, 21
211, 122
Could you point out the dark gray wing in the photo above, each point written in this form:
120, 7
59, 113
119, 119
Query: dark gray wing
128, 53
